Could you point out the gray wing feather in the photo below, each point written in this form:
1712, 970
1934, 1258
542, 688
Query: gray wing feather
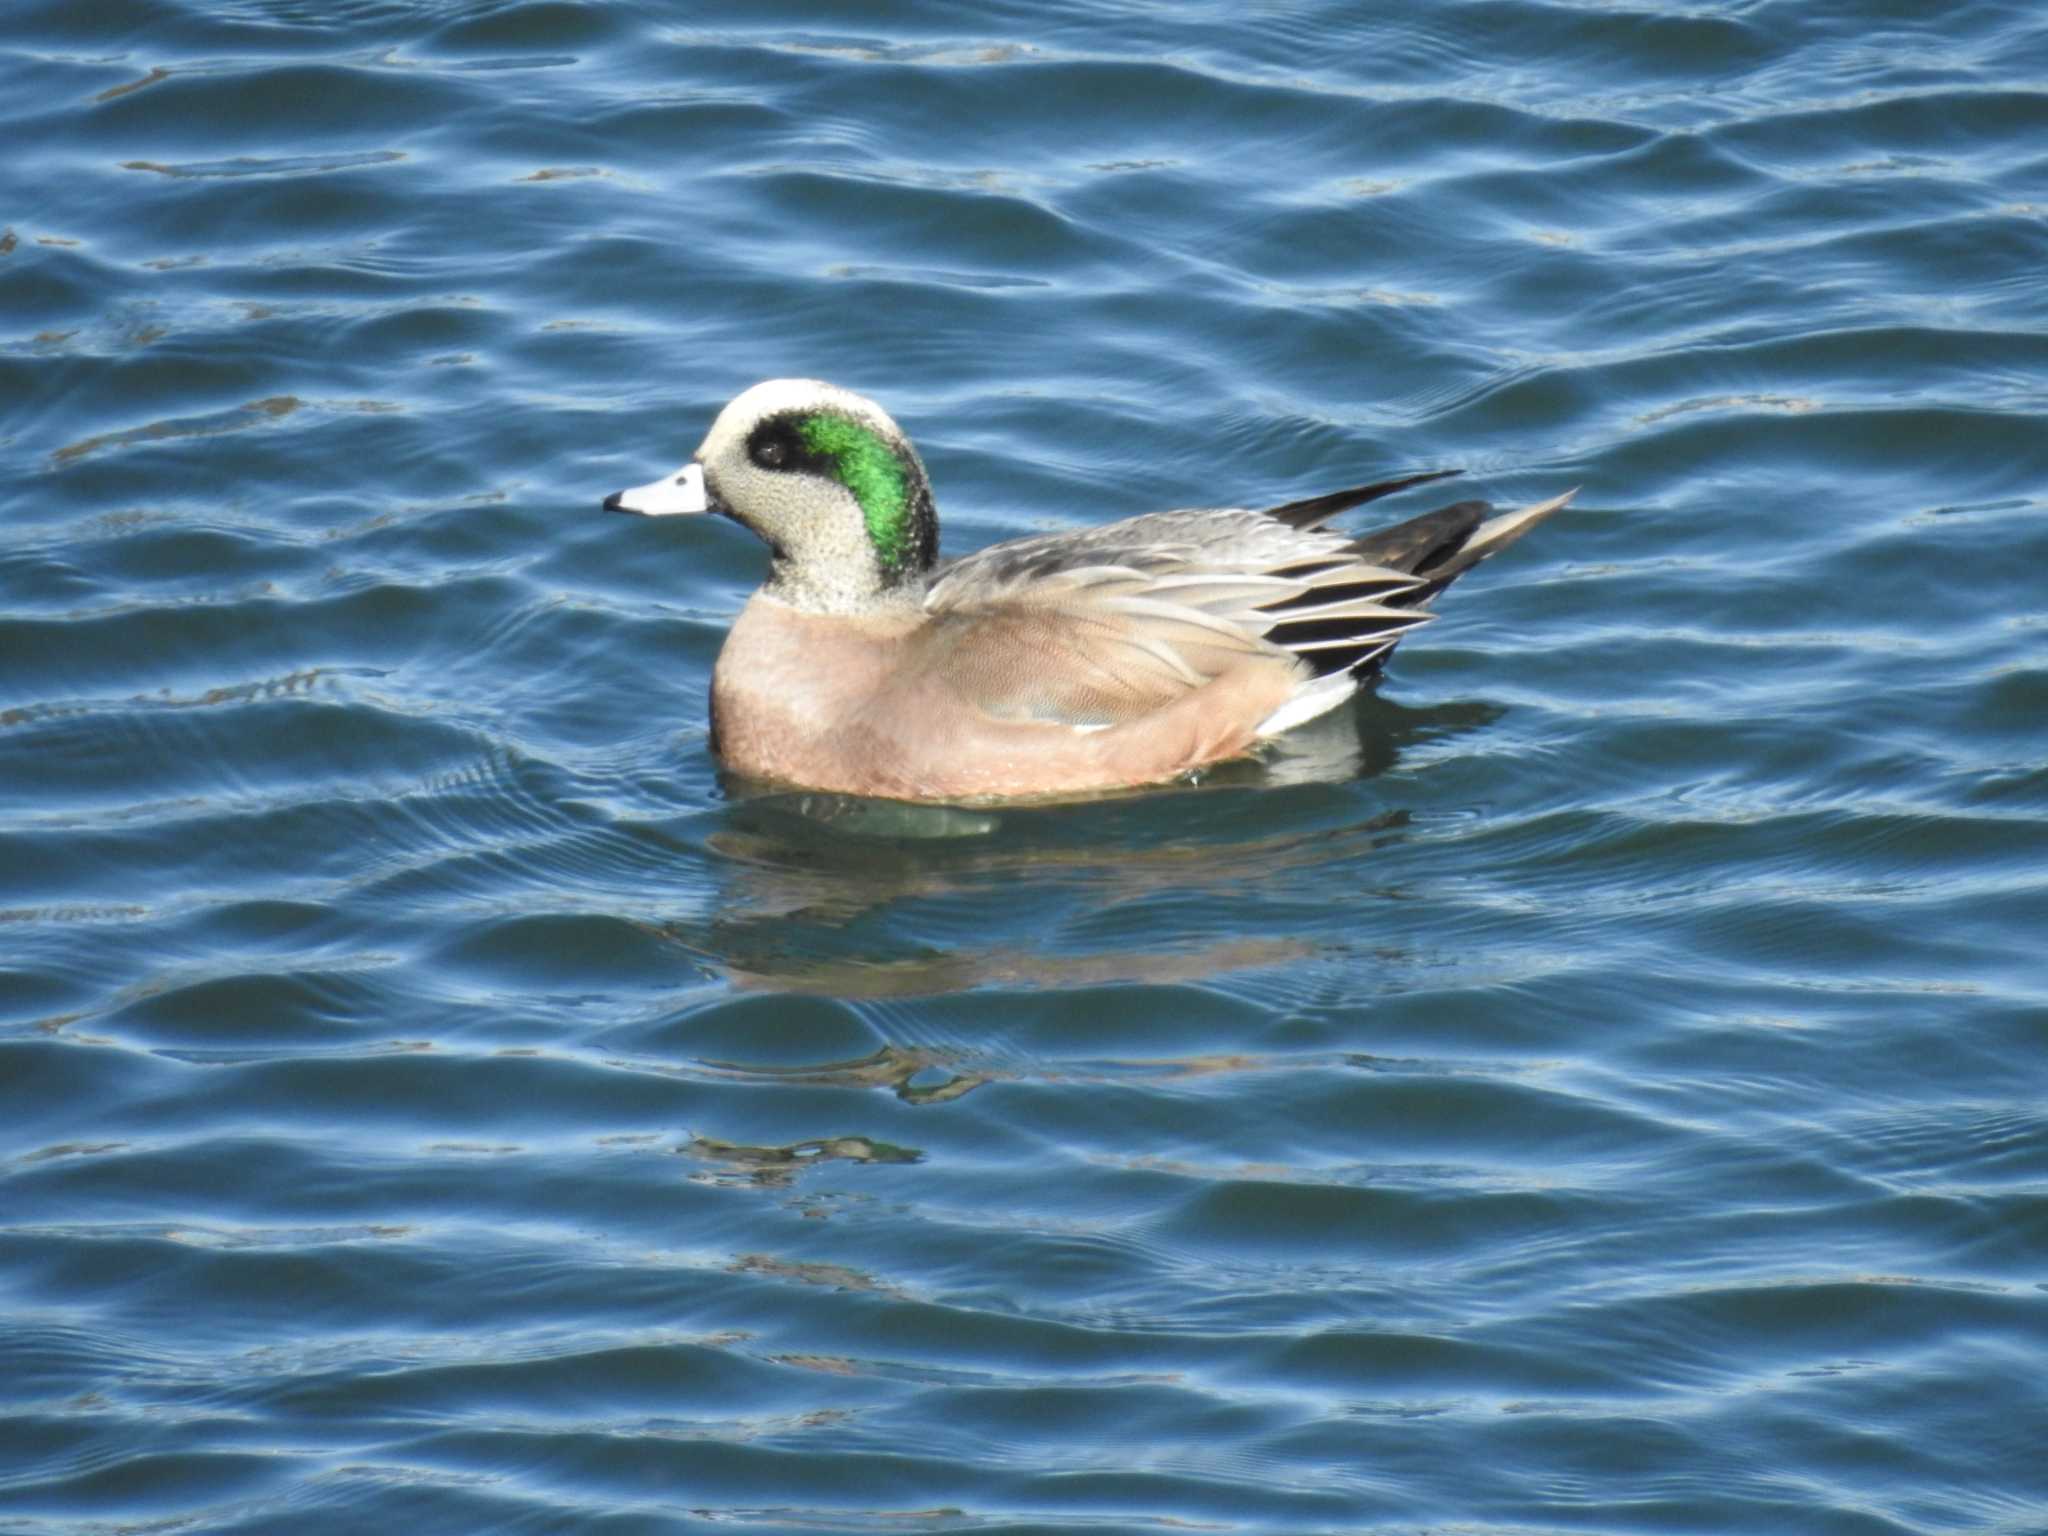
1168, 600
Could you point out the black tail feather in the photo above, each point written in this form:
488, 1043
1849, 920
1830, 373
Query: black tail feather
1422, 544
1317, 510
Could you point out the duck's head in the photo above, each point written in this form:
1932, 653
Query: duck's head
826, 479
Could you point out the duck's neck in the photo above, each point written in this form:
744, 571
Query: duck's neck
843, 589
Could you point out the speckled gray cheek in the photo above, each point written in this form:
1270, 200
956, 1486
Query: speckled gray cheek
824, 554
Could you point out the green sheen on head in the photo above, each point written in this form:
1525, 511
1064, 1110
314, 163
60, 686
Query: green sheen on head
868, 467
834, 488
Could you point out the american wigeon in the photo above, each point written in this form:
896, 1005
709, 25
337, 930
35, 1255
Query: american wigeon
1112, 656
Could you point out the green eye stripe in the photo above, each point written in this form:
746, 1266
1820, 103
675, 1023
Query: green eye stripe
869, 468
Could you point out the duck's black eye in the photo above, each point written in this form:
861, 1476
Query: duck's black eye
769, 452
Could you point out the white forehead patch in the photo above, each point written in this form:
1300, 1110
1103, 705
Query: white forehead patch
774, 397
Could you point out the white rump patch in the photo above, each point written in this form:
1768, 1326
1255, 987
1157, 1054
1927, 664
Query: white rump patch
1318, 698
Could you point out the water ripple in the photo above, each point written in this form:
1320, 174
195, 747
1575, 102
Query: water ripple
1587, 1084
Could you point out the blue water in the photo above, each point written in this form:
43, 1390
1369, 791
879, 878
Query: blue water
1606, 1090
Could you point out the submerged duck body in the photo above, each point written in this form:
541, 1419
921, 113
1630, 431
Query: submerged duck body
1058, 664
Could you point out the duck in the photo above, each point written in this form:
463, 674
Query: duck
1061, 664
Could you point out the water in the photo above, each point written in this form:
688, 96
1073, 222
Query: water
1605, 1095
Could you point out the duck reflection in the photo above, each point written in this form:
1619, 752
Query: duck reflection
863, 899
728, 1161
916, 1075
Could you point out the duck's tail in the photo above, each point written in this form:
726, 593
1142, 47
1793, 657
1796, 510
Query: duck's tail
1441, 546
1359, 612
1435, 549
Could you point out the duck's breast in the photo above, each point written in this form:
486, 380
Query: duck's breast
785, 684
